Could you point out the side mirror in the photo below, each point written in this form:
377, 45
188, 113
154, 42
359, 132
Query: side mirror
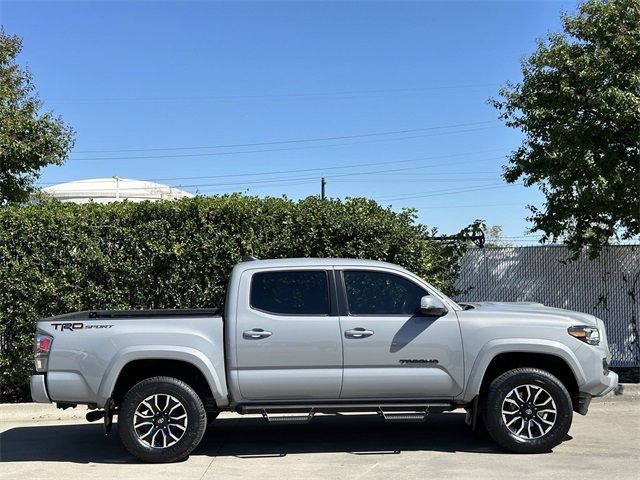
432, 307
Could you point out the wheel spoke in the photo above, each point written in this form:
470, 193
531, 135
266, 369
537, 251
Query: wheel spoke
153, 438
545, 421
543, 403
542, 430
515, 390
512, 421
535, 399
146, 434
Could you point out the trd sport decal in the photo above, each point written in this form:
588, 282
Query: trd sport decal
72, 327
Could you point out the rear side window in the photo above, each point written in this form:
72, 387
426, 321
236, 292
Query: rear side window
296, 292
380, 293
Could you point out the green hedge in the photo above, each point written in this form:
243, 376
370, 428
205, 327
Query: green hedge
56, 258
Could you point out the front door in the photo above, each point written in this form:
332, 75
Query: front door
288, 335
390, 349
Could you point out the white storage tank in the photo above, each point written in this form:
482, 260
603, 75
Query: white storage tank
114, 189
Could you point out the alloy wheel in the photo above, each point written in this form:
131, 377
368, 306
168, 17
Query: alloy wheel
529, 411
160, 421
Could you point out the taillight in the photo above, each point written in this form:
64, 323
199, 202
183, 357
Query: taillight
43, 347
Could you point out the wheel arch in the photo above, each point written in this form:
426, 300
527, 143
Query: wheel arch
191, 366
505, 354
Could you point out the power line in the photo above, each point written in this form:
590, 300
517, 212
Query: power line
412, 180
352, 93
324, 169
306, 147
279, 181
300, 140
471, 206
444, 192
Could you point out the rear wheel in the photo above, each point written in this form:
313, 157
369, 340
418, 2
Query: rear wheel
527, 410
161, 419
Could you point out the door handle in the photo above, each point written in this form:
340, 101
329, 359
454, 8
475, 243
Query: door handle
358, 333
255, 334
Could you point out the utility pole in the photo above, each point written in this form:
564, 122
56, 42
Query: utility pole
323, 182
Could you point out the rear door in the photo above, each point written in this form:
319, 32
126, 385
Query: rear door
288, 335
390, 349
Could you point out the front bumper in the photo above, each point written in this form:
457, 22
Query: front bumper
611, 383
604, 385
39, 389
601, 385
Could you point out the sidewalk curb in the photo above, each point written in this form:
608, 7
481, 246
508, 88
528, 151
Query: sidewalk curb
48, 412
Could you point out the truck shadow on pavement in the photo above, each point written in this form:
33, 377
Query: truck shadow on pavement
254, 438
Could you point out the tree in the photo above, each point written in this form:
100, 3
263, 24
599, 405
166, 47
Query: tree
29, 140
578, 106
494, 238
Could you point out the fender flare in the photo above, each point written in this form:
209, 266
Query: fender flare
496, 347
163, 352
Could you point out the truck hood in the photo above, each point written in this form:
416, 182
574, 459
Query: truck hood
534, 309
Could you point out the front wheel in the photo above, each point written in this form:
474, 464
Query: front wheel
527, 410
161, 419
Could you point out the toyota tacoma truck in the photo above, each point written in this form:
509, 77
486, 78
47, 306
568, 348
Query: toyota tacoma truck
298, 337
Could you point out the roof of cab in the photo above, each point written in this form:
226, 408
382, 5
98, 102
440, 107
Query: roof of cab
314, 262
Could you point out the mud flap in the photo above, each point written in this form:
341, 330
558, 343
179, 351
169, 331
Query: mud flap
108, 416
472, 413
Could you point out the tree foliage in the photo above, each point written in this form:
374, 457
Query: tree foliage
57, 258
29, 140
578, 106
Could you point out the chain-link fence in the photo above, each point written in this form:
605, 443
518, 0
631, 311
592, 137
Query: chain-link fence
607, 287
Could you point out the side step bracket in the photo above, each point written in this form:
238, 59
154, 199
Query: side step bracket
282, 419
401, 417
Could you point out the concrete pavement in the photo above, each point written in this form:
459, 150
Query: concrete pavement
604, 444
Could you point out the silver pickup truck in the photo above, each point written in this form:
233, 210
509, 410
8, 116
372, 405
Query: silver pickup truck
299, 337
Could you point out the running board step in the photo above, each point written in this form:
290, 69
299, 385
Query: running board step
283, 419
402, 417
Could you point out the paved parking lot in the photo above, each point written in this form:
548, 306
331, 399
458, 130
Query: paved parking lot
605, 444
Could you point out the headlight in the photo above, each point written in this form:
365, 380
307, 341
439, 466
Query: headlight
589, 335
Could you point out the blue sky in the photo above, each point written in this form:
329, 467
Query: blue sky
275, 87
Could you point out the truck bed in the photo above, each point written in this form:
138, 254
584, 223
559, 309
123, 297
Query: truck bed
138, 314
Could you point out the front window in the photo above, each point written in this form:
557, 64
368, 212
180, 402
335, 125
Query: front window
380, 293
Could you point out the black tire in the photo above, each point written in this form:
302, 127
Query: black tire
533, 418
189, 429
